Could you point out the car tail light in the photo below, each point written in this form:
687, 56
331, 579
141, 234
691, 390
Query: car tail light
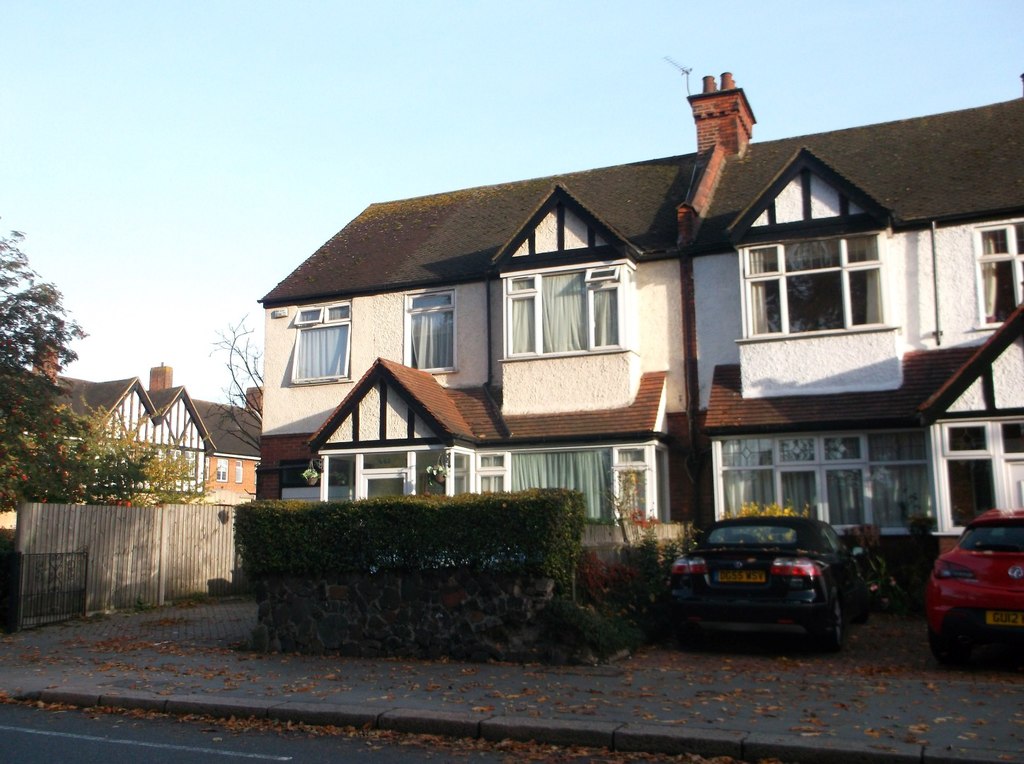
794, 566
944, 569
689, 566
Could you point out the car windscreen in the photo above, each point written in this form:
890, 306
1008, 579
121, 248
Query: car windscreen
761, 535
994, 538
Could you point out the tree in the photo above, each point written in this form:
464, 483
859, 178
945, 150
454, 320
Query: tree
35, 340
244, 363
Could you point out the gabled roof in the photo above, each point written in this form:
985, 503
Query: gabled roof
805, 161
87, 398
454, 237
561, 197
961, 164
955, 165
232, 429
924, 372
977, 367
473, 416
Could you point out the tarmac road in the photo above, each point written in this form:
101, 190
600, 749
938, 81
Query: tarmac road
881, 699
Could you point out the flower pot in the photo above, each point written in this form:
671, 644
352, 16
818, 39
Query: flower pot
312, 480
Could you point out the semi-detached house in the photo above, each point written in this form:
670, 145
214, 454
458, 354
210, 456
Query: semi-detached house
830, 321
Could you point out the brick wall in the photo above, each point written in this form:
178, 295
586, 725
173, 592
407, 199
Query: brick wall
275, 449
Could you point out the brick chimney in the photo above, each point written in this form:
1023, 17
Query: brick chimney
161, 378
723, 116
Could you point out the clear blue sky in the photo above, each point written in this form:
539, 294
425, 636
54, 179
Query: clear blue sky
171, 162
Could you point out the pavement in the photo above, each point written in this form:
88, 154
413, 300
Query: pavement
186, 659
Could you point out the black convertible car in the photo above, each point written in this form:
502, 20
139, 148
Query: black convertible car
769, 574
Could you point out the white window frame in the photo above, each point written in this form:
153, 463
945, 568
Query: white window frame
821, 464
780, 276
616, 276
239, 471
646, 466
1014, 255
222, 470
411, 311
317, 318
491, 471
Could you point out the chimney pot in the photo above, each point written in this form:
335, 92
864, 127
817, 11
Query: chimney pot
727, 81
709, 84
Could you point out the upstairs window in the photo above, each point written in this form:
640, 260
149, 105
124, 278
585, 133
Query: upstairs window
431, 331
322, 347
812, 286
1002, 269
571, 312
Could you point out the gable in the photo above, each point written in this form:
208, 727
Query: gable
991, 382
561, 229
382, 415
810, 197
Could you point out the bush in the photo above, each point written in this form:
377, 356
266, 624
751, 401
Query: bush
585, 629
634, 591
536, 533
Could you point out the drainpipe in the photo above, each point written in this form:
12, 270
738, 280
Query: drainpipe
935, 287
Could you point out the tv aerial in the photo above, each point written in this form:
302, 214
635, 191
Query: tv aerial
684, 70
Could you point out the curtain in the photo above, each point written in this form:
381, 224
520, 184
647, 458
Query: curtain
606, 317
745, 486
897, 492
523, 327
845, 496
564, 312
865, 297
432, 340
799, 491
322, 352
588, 472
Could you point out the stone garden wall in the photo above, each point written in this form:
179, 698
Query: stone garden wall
455, 613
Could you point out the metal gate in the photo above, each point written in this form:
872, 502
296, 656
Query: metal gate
47, 588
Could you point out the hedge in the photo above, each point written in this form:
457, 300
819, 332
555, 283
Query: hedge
534, 533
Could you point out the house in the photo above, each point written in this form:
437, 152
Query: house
234, 452
220, 441
827, 321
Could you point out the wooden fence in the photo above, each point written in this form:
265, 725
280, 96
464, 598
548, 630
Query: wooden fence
139, 555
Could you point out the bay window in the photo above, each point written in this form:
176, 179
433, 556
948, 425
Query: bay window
565, 312
1002, 269
846, 479
431, 330
322, 346
817, 285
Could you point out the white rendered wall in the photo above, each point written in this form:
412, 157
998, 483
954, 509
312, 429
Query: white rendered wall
719, 320
587, 382
378, 331
659, 325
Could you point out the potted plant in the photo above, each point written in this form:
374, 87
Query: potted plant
311, 476
436, 473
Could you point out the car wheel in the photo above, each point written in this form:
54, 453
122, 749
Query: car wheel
947, 650
689, 636
835, 630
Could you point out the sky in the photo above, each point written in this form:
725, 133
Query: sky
170, 163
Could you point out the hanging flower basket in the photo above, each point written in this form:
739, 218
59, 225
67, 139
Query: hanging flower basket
436, 474
312, 476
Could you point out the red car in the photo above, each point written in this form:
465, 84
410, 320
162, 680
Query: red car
975, 594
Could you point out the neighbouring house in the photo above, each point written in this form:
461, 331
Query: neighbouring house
829, 321
211, 435
234, 455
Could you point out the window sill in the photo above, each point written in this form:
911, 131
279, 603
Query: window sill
760, 338
320, 381
573, 354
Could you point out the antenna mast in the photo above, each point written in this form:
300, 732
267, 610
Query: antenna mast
685, 71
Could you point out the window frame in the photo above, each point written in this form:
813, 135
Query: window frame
222, 470
491, 472
411, 311
1014, 230
781, 274
318, 318
612, 276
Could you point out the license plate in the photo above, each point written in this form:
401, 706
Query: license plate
741, 576
1004, 618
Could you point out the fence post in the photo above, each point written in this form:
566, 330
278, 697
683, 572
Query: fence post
14, 590
162, 561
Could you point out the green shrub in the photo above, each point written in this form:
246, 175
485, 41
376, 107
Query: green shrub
534, 533
582, 629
